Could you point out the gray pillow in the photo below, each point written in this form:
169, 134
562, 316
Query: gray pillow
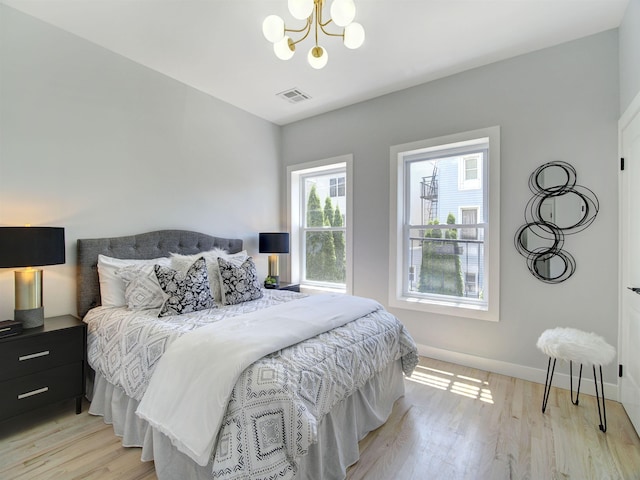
184, 292
239, 283
141, 288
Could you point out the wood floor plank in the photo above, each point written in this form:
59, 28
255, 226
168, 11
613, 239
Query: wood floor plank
454, 423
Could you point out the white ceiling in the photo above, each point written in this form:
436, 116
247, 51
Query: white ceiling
217, 46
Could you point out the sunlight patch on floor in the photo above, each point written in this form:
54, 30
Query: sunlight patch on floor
459, 384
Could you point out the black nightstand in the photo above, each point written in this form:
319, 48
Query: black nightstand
43, 365
294, 287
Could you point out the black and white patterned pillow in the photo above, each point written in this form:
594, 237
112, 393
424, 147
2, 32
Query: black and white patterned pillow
185, 292
239, 283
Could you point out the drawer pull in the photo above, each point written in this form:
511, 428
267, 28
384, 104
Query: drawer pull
34, 355
33, 392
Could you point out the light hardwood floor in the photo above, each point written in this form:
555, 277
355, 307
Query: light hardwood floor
453, 423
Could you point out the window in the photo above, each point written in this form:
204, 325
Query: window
469, 216
470, 168
319, 211
471, 284
445, 225
336, 187
469, 173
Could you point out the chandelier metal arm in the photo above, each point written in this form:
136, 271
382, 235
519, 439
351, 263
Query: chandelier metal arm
318, 10
322, 25
298, 30
306, 29
329, 33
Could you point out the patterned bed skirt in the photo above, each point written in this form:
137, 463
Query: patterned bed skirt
339, 432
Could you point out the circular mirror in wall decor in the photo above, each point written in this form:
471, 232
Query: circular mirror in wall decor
558, 207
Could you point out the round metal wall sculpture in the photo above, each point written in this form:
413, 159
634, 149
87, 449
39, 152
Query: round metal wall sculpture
559, 207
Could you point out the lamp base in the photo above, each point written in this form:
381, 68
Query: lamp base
30, 318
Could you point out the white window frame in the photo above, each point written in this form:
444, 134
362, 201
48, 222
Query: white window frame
397, 297
295, 173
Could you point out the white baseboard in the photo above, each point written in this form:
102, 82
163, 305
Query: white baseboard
538, 375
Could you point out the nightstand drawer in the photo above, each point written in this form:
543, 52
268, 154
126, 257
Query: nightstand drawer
24, 356
43, 388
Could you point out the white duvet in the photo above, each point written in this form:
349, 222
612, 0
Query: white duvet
188, 394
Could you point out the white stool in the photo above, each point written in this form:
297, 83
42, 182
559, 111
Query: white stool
581, 347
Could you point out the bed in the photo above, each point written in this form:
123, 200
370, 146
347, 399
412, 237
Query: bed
297, 411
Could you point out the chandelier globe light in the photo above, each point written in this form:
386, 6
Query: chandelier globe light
317, 57
343, 12
273, 28
282, 50
300, 9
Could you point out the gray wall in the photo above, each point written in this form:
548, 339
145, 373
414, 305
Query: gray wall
103, 146
629, 32
556, 104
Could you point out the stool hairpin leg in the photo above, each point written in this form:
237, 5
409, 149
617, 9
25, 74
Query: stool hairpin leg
547, 383
601, 415
579, 381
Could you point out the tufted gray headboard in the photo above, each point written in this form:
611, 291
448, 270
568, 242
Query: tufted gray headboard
142, 246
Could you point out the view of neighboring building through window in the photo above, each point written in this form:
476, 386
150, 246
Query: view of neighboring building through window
471, 282
441, 253
469, 216
441, 211
470, 168
319, 218
337, 187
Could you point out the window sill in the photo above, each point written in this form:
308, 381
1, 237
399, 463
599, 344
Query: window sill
315, 289
476, 312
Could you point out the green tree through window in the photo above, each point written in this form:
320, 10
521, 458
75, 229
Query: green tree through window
441, 270
340, 247
325, 249
315, 218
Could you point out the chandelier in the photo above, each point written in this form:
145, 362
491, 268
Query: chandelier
342, 14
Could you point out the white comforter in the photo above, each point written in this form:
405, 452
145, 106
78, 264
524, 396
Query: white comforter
181, 389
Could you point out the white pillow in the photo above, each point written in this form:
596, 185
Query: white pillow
112, 287
183, 262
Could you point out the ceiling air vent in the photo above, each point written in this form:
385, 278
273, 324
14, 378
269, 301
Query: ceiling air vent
294, 95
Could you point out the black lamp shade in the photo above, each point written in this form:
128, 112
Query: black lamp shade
31, 246
273, 243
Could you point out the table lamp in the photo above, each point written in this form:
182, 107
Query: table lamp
274, 244
30, 247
